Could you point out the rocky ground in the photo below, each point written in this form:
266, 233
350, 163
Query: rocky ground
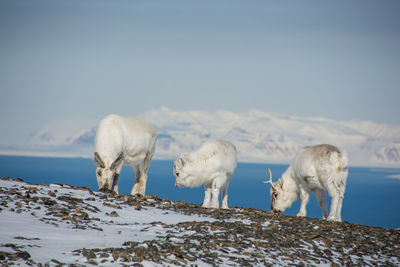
208, 237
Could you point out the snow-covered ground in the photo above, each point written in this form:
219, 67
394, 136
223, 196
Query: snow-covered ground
40, 228
60, 224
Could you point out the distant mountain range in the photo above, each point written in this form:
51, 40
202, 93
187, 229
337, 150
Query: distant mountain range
259, 136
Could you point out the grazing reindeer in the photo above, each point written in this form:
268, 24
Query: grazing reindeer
119, 141
213, 165
314, 169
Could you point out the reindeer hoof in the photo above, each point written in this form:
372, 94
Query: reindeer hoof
332, 219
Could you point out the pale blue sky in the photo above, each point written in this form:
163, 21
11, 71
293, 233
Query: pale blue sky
84, 59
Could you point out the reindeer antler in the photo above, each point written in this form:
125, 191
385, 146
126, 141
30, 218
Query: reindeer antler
270, 178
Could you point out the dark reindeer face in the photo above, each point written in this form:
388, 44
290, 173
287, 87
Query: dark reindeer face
107, 176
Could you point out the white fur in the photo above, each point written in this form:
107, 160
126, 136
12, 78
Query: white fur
213, 165
123, 140
314, 169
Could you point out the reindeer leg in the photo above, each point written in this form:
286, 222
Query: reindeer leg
333, 210
304, 197
116, 185
224, 197
215, 198
143, 179
322, 202
224, 193
339, 209
207, 196
335, 199
216, 187
135, 188
340, 202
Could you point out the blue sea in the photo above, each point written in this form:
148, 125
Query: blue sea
372, 197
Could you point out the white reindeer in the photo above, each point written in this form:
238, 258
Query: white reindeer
122, 140
213, 165
313, 169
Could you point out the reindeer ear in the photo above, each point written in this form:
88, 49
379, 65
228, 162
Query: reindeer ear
280, 183
179, 163
98, 161
273, 187
117, 161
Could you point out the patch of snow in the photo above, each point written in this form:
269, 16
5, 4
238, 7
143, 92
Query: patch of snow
48, 239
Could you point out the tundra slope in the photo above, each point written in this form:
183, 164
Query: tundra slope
61, 224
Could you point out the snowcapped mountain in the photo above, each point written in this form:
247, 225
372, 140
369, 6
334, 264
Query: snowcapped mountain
259, 136
266, 137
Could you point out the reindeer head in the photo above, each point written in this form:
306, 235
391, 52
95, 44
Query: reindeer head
179, 172
280, 201
108, 174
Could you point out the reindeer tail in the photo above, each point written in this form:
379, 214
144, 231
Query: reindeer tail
340, 160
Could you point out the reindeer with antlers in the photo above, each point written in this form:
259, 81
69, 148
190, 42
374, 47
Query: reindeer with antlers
314, 169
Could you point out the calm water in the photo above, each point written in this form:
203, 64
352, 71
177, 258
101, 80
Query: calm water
371, 198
